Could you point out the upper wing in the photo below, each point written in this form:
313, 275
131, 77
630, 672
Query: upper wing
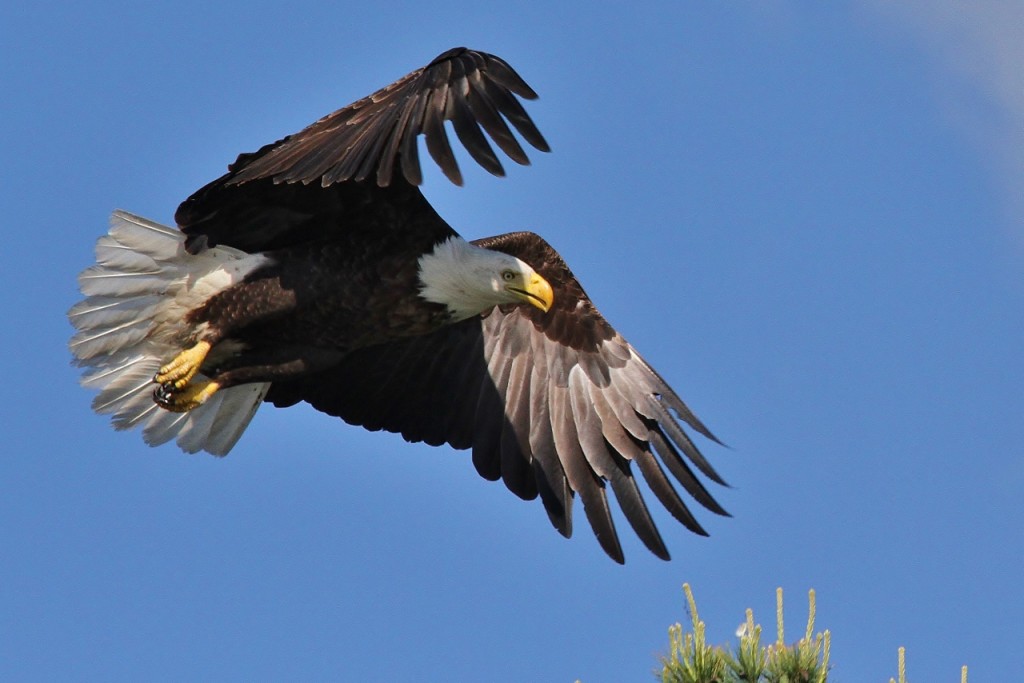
370, 137
552, 403
307, 185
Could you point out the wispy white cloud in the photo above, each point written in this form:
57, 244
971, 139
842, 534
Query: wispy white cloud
979, 50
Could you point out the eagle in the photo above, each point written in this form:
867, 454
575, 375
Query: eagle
315, 270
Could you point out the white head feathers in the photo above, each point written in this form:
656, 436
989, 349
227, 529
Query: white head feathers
470, 280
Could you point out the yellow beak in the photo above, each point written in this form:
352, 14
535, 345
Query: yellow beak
536, 293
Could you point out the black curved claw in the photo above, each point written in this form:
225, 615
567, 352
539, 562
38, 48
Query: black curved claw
164, 395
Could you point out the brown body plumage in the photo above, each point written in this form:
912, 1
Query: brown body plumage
349, 280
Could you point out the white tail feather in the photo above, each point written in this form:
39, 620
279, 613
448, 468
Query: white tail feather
132, 321
101, 312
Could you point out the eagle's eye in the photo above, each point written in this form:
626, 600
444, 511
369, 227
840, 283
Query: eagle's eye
508, 275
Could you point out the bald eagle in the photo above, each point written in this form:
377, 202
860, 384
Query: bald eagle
314, 270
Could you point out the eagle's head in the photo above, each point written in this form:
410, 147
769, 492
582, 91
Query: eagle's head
470, 280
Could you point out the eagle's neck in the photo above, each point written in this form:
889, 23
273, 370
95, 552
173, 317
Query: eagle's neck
460, 276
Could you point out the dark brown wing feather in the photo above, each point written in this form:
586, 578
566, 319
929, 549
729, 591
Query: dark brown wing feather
369, 138
262, 215
551, 403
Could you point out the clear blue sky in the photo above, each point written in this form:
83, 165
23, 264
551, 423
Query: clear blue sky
807, 219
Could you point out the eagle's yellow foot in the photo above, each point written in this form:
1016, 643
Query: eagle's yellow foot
182, 400
185, 365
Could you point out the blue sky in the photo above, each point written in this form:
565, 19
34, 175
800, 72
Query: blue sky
808, 219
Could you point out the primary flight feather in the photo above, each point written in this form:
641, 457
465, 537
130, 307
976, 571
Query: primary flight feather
314, 270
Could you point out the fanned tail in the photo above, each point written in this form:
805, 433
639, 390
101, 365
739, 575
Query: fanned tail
132, 321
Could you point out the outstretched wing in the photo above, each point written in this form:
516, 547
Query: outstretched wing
306, 186
554, 404
370, 137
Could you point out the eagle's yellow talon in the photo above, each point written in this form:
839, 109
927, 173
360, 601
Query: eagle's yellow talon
184, 366
172, 398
